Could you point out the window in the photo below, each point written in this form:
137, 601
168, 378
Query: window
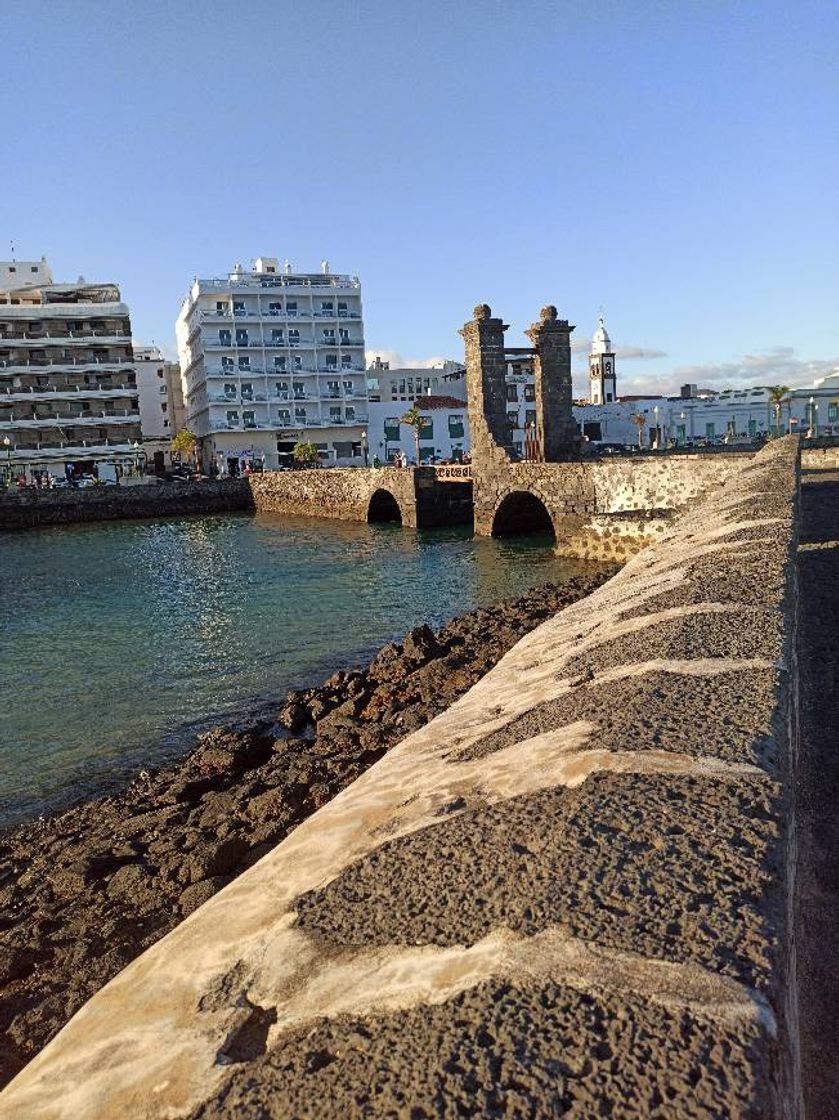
329, 336
298, 361
348, 386
832, 412
392, 428
426, 453
160, 373
346, 361
335, 415
512, 418
332, 388
710, 431
426, 427
331, 361
238, 307
230, 390
345, 334
512, 392
299, 390
327, 305
232, 417
279, 363
164, 407
274, 308
530, 392
277, 337
221, 307
227, 365
247, 391
249, 419
300, 415
224, 338
244, 363
529, 417
293, 337
342, 309
291, 307
241, 336
349, 412
456, 426
281, 390
284, 416
165, 423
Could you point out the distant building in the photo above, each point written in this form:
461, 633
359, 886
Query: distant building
601, 368
386, 384
68, 393
161, 403
269, 357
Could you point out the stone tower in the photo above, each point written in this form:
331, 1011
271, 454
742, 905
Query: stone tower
486, 387
601, 368
556, 429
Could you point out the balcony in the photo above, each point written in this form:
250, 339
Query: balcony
11, 364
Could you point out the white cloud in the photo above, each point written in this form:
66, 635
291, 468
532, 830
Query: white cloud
582, 346
398, 360
777, 366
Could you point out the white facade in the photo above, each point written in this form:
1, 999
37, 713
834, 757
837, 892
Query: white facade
68, 394
161, 404
444, 435
601, 368
407, 384
270, 357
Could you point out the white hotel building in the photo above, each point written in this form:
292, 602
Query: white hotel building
269, 357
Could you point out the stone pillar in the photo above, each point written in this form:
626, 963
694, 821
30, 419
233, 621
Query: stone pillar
556, 428
486, 387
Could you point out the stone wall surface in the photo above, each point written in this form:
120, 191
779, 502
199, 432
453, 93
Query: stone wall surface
342, 493
566, 895
29, 509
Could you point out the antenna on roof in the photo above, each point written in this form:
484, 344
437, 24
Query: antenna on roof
12, 244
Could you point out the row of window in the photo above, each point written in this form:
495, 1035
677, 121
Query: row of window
513, 393
327, 307
336, 416
279, 338
281, 363
393, 427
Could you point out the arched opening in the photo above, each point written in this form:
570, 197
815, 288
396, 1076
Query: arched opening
384, 507
521, 512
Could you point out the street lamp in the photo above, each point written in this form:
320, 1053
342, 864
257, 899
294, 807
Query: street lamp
813, 406
7, 443
364, 447
657, 432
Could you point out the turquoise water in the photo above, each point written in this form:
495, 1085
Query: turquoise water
119, 640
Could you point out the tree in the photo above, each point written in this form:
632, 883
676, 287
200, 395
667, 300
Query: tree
305, 452
639, 419
414, 419
185, 443
777, 393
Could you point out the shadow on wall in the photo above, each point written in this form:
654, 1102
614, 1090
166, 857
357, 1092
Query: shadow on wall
520, 513
384, 507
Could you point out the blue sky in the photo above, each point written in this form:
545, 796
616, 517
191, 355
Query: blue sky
675, 163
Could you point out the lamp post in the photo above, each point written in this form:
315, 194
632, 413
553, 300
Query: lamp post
657, 432
7, 443
364, 448
810, 432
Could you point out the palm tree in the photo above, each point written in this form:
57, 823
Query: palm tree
777, 393
185, 443
414, 419
640, 420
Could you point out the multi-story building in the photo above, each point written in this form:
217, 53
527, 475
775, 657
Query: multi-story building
68, 393
161, 403
406, 384
270, 357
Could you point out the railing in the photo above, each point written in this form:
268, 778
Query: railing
43, 363
38, 390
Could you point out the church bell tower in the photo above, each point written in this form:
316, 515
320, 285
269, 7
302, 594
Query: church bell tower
601, 368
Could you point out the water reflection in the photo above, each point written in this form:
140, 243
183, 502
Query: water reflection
116, 638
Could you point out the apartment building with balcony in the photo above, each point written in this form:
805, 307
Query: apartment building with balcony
269, 357
68, 392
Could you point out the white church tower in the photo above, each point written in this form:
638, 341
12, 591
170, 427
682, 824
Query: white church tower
601, 368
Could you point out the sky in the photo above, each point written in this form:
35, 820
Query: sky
673, 164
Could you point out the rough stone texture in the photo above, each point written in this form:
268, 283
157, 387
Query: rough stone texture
566, 923
27, 509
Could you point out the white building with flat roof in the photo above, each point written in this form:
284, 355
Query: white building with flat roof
161, 404
269, 357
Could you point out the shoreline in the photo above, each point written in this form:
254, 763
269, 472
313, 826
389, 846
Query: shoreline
84, 892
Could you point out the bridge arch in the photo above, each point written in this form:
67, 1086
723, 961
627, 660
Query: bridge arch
521, 512
383, 507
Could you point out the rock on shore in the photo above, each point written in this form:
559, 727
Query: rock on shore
84, 893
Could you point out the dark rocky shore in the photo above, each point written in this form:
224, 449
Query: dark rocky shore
85, 892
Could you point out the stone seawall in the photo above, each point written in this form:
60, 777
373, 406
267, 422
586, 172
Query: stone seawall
29, 509
568, 894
